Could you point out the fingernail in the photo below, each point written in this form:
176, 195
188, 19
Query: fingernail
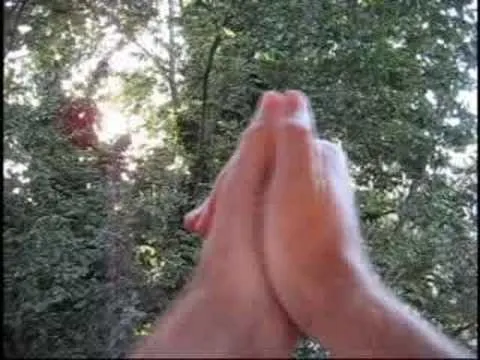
268, 100
303, 114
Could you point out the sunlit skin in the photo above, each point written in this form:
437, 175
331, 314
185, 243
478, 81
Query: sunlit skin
282, 256
229, 306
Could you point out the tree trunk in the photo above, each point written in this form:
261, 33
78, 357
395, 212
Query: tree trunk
172, 62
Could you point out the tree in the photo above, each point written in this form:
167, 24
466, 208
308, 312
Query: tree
383, 79
60, 300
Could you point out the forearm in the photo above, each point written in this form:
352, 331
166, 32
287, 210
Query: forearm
203, 324
374, 323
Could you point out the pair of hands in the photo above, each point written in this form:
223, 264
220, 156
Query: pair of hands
281, 224
282, 257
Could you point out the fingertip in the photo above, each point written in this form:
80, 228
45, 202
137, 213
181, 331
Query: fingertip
270, 99
298, 109
199, 225
210, 212
270, 106
190, 219
205, 219
294, 100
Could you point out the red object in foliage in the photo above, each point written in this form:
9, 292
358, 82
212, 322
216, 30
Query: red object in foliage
77, 121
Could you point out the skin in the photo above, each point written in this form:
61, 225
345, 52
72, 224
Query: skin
295, 235
229, 308
327, 285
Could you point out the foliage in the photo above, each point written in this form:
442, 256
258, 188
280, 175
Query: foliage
384, 80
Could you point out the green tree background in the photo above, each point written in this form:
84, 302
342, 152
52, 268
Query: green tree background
384, 77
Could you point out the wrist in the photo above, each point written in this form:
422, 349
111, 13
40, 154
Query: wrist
197, 324
342, 308
350, 287
372, 322
247, 323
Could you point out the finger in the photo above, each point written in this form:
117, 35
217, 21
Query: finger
296, 163
203, 218
335, 175
269, 108
191, 218
197, 220
255, 148
200, 219
190, 221
299, 108
203, 225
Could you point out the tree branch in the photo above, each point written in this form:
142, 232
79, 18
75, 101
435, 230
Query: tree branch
172, 63
375, 216
213, 49
116, 21
457, 331
102, 68
13, 27
152, 56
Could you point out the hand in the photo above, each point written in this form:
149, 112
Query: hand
232, 260
229, 308
312, 249
311, 234
235, 222
231, 263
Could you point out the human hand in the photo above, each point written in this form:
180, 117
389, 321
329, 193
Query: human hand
231, 264
311, 238
313, 253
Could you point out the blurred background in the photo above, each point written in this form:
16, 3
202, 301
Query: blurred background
93, 247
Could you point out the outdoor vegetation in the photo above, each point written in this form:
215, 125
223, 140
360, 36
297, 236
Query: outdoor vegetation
93, 244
